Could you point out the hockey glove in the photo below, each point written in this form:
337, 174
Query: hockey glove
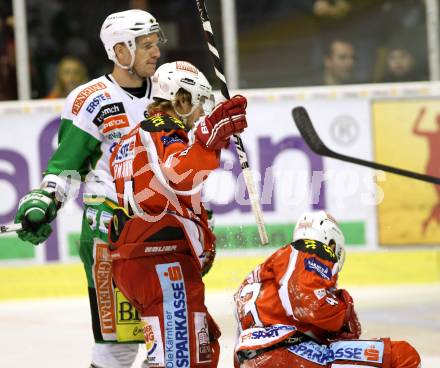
209, 260
211, 219
228, 118
351, 328
35, 211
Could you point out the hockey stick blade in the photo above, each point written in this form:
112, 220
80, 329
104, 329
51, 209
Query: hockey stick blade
309, 134
4, 229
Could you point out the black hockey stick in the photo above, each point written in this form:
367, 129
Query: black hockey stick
247, 174
308, 132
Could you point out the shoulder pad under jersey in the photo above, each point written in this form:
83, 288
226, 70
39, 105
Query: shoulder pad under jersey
160, 123
322, 250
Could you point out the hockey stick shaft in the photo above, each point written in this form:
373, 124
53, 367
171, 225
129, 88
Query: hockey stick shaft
4, 229
308, 132
247, 174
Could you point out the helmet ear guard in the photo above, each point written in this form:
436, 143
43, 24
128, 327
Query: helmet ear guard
125, 27
322, 227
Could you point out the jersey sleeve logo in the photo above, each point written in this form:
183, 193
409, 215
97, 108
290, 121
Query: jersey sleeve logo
322, 250
160, 123
82, 96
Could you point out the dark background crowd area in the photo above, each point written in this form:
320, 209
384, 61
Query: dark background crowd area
282, 43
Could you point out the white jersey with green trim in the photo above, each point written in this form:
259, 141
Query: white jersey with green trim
105, 111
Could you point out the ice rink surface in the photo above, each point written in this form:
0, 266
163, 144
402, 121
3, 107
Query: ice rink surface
55, 333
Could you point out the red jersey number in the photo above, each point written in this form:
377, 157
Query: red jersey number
246, 305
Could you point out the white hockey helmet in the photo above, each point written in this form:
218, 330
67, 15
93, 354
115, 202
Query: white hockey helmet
124, 27
170, 77
322, 227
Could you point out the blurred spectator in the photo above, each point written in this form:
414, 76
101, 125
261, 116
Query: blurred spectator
339, 63
400, 66
139, 4
401, 35
8, 78
71, 72
330, 9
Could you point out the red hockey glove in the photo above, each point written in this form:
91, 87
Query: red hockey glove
209, 260
352, 327
228, 118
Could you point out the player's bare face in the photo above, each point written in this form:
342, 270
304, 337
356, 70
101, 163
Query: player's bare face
146, 55
198, 112
185, 107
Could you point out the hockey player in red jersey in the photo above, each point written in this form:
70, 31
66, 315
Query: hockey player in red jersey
290, 312
160, 252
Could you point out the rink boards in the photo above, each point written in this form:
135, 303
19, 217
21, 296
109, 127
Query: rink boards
361, 269
375, 210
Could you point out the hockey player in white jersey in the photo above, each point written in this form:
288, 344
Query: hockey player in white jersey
95, 116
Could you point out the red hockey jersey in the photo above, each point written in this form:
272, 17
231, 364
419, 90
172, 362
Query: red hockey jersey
156, 172
295, 287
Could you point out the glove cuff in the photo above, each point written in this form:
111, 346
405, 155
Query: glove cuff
58, 187
204, 136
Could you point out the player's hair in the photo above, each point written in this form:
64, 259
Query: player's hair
160, 104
